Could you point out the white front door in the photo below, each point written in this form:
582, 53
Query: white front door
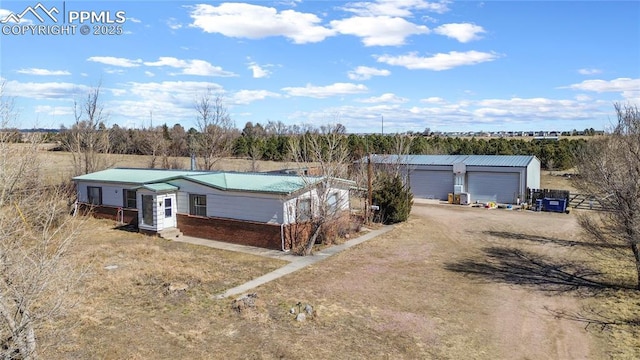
170, 207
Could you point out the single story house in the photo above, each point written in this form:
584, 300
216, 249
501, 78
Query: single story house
481, 178
245, 208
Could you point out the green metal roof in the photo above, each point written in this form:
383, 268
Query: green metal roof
134, 176
156, 180
160, 187
254, 182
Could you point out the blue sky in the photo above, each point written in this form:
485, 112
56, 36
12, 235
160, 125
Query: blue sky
449, 66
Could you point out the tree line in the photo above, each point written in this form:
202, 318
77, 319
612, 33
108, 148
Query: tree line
271, 142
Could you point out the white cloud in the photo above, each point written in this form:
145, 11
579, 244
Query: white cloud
589, 71
258, 71
627, 87
134, 20
244, 97
615, 85
439, 61
116, 61
46, 90
583, 97
190, 67
433, 100
366, 72
320, 92
463, 32
173, 24
44, 72
384, 98
149, 73
395, 8
114, 71
240, 20
54, 110
379, 30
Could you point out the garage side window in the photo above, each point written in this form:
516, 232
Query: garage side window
94, 195
197, 205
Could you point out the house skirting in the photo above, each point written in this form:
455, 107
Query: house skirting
233, 231
269, 236
127, 216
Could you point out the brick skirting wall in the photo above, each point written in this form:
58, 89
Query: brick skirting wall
233, 231
108, 212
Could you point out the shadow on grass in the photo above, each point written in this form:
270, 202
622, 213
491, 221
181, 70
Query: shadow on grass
550, 240
127, 228
518, 267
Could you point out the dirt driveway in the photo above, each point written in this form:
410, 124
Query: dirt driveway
505, 263
451, 283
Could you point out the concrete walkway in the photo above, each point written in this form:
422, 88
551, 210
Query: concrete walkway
295, 262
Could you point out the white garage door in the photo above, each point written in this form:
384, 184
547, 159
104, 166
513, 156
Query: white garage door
429, 184
497, 187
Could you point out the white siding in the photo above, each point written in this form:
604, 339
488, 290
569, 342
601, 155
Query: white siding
111, 194
186, 188
245, 207
290, 206
257, 207
533, 174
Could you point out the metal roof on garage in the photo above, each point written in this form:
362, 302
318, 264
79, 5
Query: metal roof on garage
449, 160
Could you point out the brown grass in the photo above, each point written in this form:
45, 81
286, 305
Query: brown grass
393, 297
145, 297
58, 164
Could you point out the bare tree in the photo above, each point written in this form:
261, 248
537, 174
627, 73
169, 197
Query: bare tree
215, 138
36, 233
609, 168
324, 156
88, 137
15, 155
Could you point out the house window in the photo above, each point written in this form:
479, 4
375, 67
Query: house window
130, 201
197, 205
94, 195
332, 203
167, 208
304, 209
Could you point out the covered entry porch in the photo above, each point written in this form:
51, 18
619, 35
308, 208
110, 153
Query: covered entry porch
157, 207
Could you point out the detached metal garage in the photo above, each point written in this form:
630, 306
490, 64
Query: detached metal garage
497, 178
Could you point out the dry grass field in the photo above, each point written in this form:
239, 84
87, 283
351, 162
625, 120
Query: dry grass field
451, 283
59, 165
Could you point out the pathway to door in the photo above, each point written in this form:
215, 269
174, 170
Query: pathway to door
295, 262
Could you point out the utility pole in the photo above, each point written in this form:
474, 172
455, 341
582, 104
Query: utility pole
369, 188
382, 118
